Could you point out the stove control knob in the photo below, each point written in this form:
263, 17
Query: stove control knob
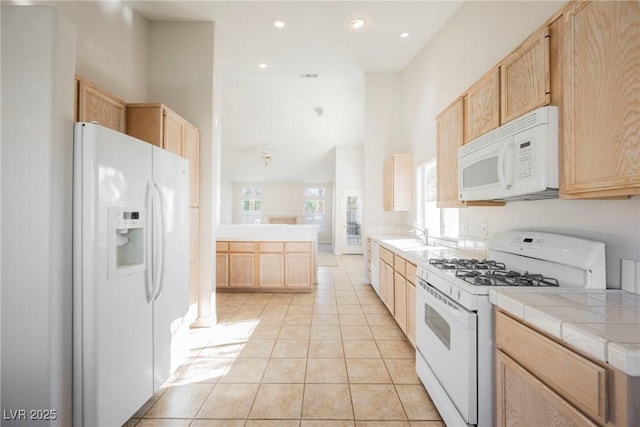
450, 290
458, 295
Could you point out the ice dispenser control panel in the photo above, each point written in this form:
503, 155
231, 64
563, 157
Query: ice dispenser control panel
126, 241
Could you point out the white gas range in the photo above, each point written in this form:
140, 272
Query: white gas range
454, 320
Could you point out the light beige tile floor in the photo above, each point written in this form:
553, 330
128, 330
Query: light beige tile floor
334, 357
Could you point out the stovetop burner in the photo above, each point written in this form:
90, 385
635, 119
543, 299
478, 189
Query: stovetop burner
491, 273
468, 264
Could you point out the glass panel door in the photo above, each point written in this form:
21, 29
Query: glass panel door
352, 240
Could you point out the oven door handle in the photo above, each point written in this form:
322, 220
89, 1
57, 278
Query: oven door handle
459, 314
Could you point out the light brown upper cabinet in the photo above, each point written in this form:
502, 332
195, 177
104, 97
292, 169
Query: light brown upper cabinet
397, 188
96, 105
524, 77
449, 128
601, 110
482, 106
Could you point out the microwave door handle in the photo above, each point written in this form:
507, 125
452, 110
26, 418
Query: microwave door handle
501, 166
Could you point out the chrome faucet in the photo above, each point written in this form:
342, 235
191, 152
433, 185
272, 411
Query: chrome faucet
420, 229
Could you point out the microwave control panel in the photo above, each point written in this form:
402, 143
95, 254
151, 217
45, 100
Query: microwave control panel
525, 160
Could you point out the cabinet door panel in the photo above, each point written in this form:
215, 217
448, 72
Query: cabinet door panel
271, 270
482, 106
390, 288
172, 133
222, 270
242, 270
298, 270
521, 399
97, 105
602, 99
449, 138
571, 375
400, 302
524, 77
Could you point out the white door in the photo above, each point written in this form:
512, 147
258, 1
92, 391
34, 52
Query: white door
351, 217
171, 233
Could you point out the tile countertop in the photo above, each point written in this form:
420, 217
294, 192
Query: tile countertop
603, 323
415, 251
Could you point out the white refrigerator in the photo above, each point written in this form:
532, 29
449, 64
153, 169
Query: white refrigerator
130, 272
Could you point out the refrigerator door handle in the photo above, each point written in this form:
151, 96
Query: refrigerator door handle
148, 276
162, 234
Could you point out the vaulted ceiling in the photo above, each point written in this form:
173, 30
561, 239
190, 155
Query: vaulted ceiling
310, 96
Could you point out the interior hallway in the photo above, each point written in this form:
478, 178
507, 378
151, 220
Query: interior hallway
334, 357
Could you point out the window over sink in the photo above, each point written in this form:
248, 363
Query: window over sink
441, 222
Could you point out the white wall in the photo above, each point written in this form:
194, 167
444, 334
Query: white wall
286, 199
226, 200
38, 62
349, 177
181, 76
111, 41
382, 138
475, 39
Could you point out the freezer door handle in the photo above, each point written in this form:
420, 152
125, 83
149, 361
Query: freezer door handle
162, 237
148, 275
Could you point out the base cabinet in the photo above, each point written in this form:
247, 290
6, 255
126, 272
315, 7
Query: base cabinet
264, 266
400, 302
542, 382
522, 399
242, 270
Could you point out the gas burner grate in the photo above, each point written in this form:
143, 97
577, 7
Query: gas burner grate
466, 264
507, 278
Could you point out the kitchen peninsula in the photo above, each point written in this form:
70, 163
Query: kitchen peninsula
266, 257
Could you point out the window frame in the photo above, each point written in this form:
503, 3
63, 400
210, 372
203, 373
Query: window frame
254, 196
311, 196
445, 215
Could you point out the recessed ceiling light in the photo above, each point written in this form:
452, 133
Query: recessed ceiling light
262, 66
404, 35
278, 23
357, 23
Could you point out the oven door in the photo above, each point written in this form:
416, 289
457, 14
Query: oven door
446, 338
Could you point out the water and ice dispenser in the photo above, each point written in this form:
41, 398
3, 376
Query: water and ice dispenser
126, 241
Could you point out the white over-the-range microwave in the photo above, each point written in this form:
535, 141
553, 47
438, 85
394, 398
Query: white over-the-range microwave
517, 161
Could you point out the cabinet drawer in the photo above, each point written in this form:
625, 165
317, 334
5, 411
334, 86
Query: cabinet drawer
298, 247
577, 379
271, 247
242, 246
411, 272
399, 264
386, 255
222, 246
